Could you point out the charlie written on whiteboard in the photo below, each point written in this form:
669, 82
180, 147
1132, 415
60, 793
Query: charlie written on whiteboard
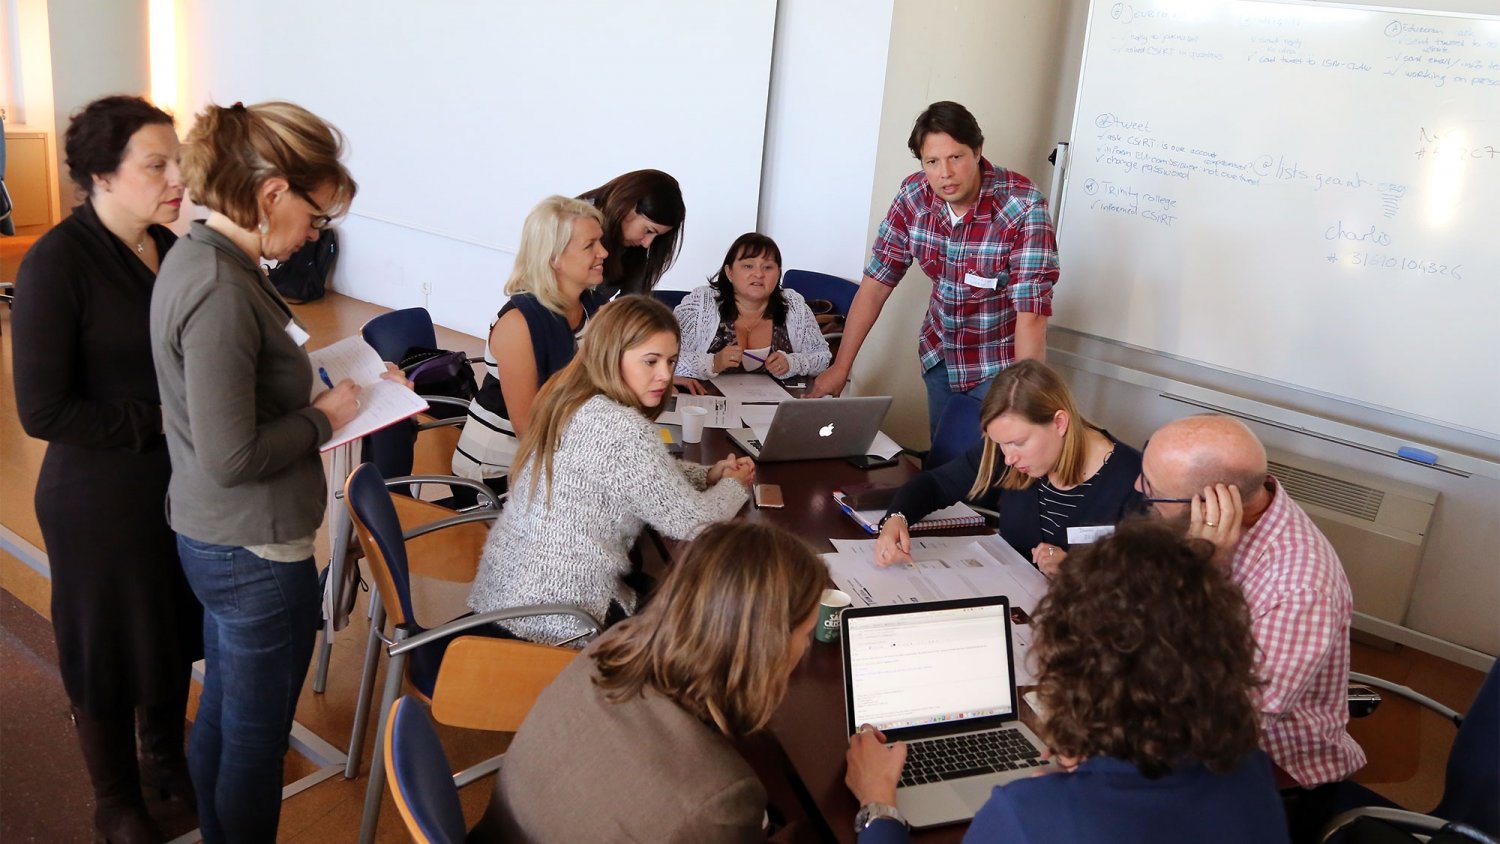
381, 403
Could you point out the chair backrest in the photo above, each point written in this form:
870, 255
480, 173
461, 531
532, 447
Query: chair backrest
392, 333
957, 430
379, 532
670, 298
490, 684
813, 285
1473, 775
420, 778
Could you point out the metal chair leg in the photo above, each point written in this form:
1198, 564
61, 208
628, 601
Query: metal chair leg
366, 687
395, 668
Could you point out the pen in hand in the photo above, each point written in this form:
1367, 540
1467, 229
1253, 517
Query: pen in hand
323, 373
754, 357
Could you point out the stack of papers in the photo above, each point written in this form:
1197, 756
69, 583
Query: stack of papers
751, 388
722, 412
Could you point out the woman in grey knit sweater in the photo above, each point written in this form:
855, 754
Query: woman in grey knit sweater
592, 471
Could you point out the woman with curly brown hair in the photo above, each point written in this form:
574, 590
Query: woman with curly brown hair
1145, 661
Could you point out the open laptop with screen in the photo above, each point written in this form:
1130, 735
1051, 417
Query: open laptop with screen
940, 676
813, 429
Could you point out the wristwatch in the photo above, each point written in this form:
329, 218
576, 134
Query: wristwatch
872, 812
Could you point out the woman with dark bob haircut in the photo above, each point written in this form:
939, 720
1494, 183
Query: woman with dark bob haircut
1146, 665
244, 425
744, 320
128, 627
643, 219
634, 740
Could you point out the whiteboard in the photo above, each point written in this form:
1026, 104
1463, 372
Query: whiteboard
1305, 193
462, 115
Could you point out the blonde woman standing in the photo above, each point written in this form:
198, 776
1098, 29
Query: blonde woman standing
592, 472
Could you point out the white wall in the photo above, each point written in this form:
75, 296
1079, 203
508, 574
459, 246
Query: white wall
999, 60
97, 49
822, 127
29, 89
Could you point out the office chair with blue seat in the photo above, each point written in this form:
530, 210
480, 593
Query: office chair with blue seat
1470, 805
416, 654
670, 298
957, 430
420, 781
815, 285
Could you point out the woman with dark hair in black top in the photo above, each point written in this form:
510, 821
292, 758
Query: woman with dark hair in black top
128, 627
643, 219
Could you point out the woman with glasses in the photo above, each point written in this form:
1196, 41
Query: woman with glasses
1039, 463
247, 491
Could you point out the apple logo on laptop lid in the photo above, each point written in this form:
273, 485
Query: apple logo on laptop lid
826, 430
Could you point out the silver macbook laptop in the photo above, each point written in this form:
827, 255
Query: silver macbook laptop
940, 676
813, 429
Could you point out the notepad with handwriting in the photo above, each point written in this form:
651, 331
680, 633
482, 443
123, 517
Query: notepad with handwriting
382, 403
957, 516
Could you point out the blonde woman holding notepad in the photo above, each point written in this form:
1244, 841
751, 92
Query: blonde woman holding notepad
1039, 463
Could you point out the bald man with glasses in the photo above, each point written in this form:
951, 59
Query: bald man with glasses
1209, 474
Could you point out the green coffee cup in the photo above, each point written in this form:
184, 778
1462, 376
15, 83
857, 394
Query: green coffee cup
830, 610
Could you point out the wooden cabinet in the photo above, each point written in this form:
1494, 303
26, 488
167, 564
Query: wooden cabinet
29, 178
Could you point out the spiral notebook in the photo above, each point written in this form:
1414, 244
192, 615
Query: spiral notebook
959, 515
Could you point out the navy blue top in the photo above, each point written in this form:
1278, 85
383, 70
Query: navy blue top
1110, 800
1109, 496
552, 343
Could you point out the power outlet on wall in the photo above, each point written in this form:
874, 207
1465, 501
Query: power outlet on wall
426, 287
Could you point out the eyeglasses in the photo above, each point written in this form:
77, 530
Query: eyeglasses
319, 220
1151, 499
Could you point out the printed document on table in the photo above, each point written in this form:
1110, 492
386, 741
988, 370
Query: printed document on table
381, 403
1006, 572
751, 388
945, 573
722, 412
757, 418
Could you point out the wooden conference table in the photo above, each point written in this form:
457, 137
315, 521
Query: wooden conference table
805, 741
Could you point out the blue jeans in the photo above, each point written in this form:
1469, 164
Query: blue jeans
259, 627
938, 392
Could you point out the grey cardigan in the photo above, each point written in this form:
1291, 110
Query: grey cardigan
236, 395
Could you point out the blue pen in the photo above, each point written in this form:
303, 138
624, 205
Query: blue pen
323, 373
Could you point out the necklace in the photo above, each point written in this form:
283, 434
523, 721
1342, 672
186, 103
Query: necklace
140, 246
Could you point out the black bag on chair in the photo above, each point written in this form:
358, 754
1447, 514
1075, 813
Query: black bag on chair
304, 276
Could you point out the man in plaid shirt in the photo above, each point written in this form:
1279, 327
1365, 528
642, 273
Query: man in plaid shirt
982, 234
1209, 473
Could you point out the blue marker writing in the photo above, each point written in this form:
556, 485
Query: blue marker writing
323, 373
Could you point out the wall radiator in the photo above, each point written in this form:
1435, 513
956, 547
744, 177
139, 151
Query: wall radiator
1378, 527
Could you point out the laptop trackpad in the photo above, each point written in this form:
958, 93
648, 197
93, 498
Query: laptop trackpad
932, 804
974, 791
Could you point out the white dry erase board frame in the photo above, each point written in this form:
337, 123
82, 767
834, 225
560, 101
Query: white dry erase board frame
1296, 192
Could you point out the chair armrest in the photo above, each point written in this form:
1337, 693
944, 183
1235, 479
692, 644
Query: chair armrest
484, 492
1409, 821
449, 422
448, 400
469, 622
1410, 694
451, 521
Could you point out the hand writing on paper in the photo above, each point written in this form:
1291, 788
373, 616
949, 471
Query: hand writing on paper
894, 544
1218, 514
1048, 558
874, 766
340, 404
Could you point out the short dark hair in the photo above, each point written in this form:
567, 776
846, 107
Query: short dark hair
1145, 653
951, 119
748, 245
653, 194
96, 138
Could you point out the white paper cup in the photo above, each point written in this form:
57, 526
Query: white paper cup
693, 418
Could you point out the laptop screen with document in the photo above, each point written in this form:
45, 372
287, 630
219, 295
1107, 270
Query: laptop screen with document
916, 669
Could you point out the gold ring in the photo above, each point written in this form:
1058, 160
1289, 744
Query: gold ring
1211, 524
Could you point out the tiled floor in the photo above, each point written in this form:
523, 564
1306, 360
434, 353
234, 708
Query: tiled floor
44, 793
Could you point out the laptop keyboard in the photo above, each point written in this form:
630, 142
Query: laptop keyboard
755, 444
976, 754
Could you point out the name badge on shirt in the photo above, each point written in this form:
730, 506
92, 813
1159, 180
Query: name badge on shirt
1089, 533
980, 281
294, 331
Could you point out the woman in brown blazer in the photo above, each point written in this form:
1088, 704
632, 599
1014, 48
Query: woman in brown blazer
634, 740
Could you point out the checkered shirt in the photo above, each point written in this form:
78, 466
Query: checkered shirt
1006, 236
1300, 607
